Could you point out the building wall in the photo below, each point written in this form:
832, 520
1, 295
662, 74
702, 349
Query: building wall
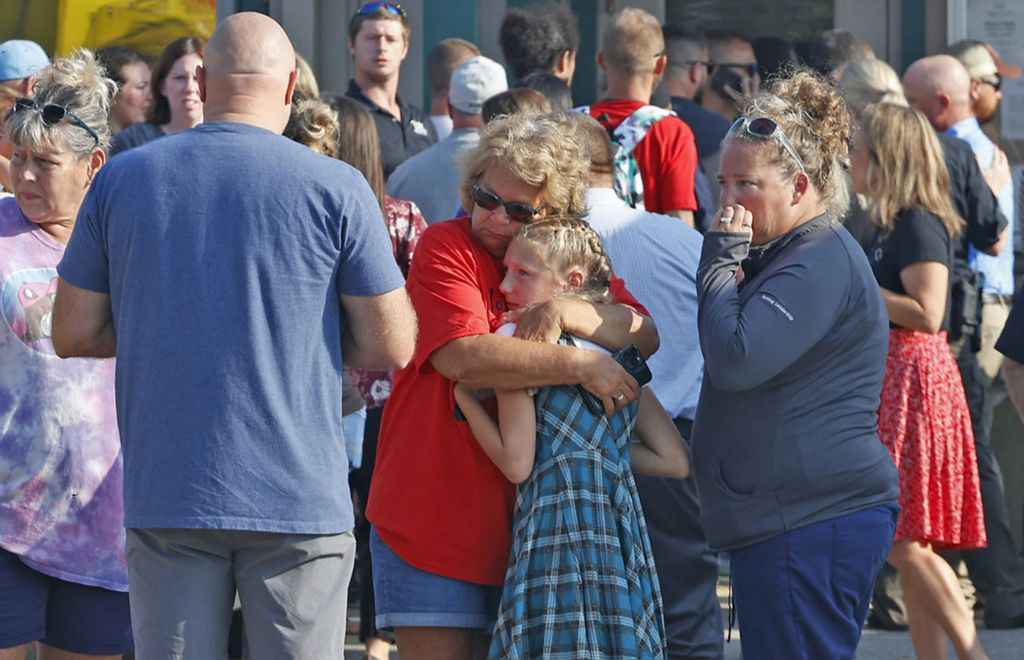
899, 30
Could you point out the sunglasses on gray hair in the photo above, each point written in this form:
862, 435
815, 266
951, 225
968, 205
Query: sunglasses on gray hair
52, 114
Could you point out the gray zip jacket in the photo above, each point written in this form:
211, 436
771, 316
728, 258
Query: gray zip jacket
786, 429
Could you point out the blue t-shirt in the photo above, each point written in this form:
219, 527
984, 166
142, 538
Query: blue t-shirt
224, 250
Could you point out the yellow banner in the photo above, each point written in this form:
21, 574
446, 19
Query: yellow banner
145, 25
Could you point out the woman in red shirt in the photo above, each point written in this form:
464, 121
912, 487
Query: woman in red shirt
440, 508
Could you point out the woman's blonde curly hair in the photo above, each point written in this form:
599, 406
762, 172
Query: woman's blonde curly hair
810, 111
547, 151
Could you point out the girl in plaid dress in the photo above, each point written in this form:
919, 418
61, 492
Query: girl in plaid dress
581, 582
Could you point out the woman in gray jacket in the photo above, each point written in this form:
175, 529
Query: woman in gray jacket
793, 479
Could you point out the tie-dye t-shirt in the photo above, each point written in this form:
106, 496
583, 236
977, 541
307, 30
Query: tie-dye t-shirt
60, 458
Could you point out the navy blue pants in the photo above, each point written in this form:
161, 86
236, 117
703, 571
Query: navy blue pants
805, 593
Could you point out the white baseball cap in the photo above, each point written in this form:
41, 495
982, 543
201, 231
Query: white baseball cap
473, 82
982, 61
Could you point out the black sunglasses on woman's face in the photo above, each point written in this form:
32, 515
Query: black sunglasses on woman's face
517, 211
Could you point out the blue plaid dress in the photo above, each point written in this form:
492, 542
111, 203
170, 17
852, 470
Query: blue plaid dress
582, 581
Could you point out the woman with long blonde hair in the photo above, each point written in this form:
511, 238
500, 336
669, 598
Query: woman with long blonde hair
923, 419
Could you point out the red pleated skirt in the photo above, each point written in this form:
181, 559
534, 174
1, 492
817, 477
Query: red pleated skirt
925, 423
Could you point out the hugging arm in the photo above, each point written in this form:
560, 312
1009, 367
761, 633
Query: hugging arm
494, 362
612, 325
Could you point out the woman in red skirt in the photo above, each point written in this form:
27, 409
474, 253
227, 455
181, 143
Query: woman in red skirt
923, 419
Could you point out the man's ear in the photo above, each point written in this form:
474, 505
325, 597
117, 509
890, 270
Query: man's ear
201, 79
351, 46
975, 86
600, 61
564, 63
659, 64
944, 101
293, 79
693, 74
26, 85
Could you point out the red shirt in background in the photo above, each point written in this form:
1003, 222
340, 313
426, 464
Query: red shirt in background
437, 500
666, 157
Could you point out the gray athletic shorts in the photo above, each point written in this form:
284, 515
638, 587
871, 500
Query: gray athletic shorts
293, 589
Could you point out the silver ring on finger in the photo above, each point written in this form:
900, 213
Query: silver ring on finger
620, 396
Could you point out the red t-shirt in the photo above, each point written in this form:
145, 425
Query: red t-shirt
666, 157
437, 499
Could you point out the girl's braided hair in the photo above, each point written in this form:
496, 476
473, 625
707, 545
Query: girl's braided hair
564, 242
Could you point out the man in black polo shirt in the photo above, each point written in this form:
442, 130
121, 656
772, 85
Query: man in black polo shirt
378, 38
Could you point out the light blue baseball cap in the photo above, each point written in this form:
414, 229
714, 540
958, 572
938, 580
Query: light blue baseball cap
20, 58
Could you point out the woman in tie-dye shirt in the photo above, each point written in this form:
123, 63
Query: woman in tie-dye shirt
63, 580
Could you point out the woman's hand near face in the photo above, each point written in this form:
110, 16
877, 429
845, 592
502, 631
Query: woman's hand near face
734, 220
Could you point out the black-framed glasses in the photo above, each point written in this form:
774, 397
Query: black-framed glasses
996, 81
374, 7
52, 114
750, 69
766, 128
517, 211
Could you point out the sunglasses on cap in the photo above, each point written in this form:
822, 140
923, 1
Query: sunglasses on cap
750, 69
374, 7
517, 211
766, 129
52, 114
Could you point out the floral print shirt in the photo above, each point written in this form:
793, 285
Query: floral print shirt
405, 225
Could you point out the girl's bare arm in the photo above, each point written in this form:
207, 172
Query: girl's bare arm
661, 451
511, 444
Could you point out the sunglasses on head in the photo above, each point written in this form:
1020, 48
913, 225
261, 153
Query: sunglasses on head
517, 211
750, 69
374, 7
52, 114
766, 129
